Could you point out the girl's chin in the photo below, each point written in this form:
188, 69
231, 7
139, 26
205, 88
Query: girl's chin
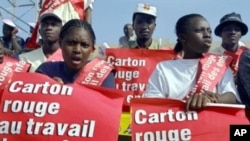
75, 68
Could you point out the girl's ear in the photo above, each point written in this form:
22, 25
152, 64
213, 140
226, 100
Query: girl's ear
181, 37
93, 48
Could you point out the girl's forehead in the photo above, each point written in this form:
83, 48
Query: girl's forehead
198, 21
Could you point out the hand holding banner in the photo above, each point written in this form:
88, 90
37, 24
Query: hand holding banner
166, 120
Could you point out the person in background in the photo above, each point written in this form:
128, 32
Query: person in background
12, 44
50, 27
178, 78
144, 23
129, 37
243, 78
231, 29
1, 53
77, 41
88, 7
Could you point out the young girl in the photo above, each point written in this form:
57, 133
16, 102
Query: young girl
77, 40
180, 78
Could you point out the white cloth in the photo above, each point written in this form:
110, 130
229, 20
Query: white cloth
88, 3
220, 50
175, 79
35, 58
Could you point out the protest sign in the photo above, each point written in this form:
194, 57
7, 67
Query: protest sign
94, 72
134, 67
8, 67
35, 107
166, 120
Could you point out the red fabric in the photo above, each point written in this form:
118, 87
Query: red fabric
7, 68
94, 73
60, 112
165, 119
133, 68
211, 69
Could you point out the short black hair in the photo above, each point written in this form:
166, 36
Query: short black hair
181, 27
77, 23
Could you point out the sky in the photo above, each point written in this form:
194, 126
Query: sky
109, 16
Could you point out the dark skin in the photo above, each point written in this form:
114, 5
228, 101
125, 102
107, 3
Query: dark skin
1, 53
76, 47
144, 26
10, 35
50, 30
231, 34
128, 30
196, 41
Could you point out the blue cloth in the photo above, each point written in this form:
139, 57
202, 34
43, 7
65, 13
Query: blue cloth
243, 78
57, 69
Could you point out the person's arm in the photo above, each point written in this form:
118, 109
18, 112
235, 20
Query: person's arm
199, 101
6, 51
225, 93
243, 78
157, 85
15, 41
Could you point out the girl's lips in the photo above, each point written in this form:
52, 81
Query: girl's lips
76, 62
208, 42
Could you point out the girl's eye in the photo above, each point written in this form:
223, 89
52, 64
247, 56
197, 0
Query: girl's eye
84, 45
70, 42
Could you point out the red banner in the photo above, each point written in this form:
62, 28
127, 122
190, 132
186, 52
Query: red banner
36, 108
94, 72
210, 71
166, 120
236, 57
7, 68
134, 67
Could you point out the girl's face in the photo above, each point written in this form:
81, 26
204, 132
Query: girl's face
197, 38
76, 46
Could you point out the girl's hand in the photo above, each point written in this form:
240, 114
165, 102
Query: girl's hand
14, 32
58, 79
199, 101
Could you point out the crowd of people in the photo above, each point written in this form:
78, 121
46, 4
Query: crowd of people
178, 78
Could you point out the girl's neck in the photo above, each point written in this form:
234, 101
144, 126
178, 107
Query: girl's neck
192, 56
